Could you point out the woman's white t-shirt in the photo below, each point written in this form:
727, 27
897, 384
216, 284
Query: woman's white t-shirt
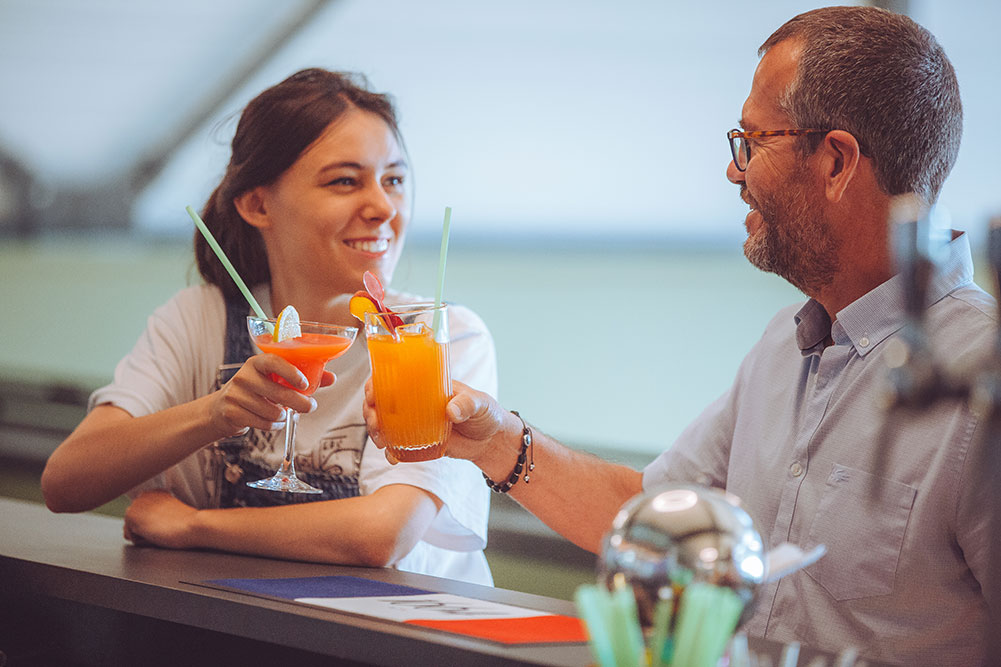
178, 358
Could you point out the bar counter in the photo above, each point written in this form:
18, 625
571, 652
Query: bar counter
74, 592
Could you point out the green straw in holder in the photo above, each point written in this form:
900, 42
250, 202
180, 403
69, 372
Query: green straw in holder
226, 263
436, 323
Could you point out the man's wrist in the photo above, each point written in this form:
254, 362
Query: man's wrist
499, 453
524, 459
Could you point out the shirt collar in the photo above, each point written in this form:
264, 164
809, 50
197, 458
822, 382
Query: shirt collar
873, 317
813, 326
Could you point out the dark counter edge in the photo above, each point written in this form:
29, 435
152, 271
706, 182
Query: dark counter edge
358, 639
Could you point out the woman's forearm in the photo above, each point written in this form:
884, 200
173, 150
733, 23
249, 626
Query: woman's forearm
373, 530
111, 452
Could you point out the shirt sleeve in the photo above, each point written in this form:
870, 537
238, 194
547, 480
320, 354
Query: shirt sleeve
173, 362
701, 454
461, 524
978, 516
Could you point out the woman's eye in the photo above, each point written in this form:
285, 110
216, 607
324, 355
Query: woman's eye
395, 181
346, 181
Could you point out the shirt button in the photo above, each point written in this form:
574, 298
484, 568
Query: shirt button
863, 342
796, 469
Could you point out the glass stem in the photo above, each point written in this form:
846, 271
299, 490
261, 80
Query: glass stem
288, 463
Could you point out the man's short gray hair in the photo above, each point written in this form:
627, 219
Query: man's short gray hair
884, 79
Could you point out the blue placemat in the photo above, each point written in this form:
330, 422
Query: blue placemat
316, 587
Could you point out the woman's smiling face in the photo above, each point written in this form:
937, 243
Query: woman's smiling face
342, 208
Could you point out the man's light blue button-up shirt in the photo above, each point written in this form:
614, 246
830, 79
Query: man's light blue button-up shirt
802, 438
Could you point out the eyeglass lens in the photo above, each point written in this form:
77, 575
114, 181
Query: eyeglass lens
741, 152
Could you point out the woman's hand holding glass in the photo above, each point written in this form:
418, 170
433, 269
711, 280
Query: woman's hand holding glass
253, 399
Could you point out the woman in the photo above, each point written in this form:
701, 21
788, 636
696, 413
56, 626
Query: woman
315, 194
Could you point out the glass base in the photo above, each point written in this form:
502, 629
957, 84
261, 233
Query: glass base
284, 482
422, 453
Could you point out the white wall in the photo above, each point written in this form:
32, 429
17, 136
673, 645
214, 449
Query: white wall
587, 118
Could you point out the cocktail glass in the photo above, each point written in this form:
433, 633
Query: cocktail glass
310, 352
410, 378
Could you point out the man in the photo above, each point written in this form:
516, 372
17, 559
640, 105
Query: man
849, 108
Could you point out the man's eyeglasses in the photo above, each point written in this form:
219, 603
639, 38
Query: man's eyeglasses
740, 147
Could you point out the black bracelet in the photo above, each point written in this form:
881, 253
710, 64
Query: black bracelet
526, 446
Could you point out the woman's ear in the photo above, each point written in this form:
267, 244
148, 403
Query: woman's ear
841, 154
250, 206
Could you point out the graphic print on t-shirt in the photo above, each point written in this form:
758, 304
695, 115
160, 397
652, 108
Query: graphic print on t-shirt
331, 466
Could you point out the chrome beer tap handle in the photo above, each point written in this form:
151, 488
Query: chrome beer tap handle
914, 378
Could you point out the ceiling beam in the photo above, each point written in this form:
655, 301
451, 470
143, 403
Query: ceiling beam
150, 166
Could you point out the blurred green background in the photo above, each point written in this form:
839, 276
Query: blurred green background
611, 350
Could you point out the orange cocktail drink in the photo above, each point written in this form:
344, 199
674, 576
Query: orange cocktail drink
310, 352
411, 380
308, 346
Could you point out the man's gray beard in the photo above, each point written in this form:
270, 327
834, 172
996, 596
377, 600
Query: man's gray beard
803, 253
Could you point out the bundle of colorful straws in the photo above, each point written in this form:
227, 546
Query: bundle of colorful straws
692, 631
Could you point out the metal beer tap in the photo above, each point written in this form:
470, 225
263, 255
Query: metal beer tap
915, 379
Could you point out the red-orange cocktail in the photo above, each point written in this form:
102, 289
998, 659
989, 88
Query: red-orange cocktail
309, 353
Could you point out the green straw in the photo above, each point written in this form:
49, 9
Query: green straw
593, 606
627, 637
707, 619
661, 643
436, 323
225, 262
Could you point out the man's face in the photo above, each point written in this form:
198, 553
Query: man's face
788, 232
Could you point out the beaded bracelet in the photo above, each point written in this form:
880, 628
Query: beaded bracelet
526, 446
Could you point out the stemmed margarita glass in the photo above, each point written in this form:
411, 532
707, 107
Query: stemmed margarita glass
309, 352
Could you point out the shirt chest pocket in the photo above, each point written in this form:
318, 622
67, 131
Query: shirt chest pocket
861, 519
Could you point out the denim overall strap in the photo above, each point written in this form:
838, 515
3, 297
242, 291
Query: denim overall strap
238, 345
